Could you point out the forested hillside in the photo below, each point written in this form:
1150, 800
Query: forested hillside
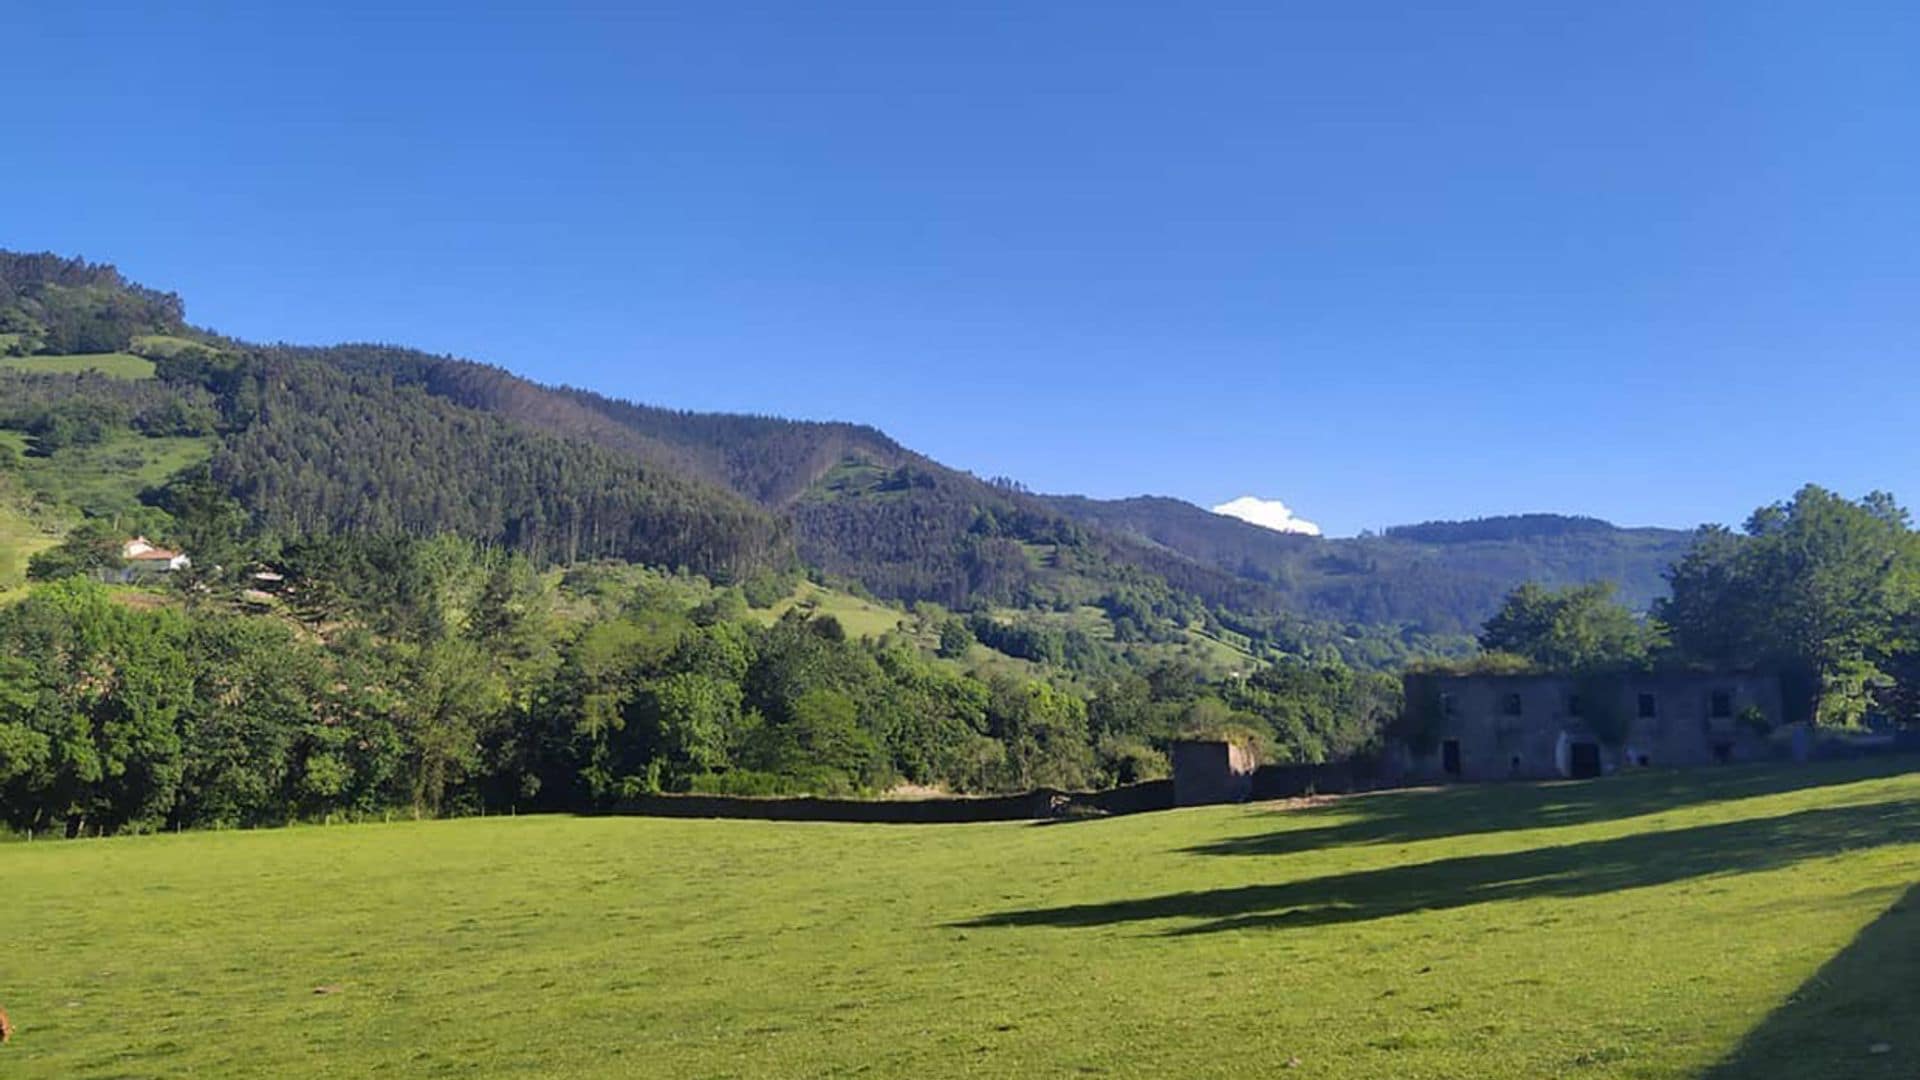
373, 439
862, 507
768, 460
333, 451
909, 528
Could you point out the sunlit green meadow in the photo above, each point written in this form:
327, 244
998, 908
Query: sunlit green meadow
117, 365
1744, 922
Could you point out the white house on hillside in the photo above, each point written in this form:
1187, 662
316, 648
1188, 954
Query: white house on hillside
145, 559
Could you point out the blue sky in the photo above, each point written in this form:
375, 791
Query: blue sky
1387, 262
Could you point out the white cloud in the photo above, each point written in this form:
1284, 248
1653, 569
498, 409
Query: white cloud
1268, 514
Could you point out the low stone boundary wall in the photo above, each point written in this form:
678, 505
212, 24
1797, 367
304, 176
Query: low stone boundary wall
1332, 778
1026, 806
1045, 804
1860, 746
1039, 805
1132, 799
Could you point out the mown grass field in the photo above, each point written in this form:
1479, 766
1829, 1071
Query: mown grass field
1745, 922
118, 365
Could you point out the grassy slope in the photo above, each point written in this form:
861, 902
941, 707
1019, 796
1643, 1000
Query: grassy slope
1211, 654
163, 345
859, 618
868, 618
1644, 927
23, 532
102, 480
109, 477
119, 365
21, 537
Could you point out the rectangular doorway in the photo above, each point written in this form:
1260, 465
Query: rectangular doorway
1583, 760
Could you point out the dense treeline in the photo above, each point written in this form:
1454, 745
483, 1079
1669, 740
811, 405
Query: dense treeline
863, 508
436, 676
58, 411
1505, 527
1823, 590
375, 439
308, 447
767, 459
330, 451
52, 304
908, 538
909, 529
770, 460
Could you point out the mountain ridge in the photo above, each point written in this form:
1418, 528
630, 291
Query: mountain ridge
308, 441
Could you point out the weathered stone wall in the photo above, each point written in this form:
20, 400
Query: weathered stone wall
1038, 805
1532, 727
1365, 773
1026, 806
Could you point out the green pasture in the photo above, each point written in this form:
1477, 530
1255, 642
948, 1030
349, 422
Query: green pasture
1748, 922
21, 537
106, 479
118, 365
858, 617
162, 346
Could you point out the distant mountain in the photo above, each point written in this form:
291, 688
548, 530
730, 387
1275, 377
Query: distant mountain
1522, 527
377, 438
1444, 577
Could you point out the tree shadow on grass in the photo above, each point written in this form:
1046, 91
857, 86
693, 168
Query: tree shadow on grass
1404, 817
1567, 870
1867, 996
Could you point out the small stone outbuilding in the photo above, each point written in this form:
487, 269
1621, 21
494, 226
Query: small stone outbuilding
1211, 771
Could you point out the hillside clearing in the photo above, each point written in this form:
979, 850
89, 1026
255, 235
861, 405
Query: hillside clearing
21, 538
106, 479
1653, 926
117, 365
857, 616
162, 346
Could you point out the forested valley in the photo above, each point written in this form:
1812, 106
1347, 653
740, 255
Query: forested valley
423, 585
